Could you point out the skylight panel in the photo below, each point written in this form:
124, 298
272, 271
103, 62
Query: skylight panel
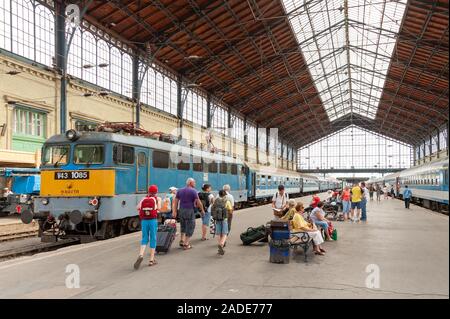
320, 28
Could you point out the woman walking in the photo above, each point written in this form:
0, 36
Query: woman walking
148, 214
345, 202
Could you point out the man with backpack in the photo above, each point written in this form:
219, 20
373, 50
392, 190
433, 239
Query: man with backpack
280, 202
207, 199
219, 211
148, 213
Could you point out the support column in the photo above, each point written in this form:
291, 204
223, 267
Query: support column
430, 148
267, 143
208, 111
257, 143
179, 109
229, 126
136, 90
60, 45
438, 143
245, 140
282, 154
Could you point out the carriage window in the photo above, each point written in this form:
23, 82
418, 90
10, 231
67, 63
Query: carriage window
269, 180
223, 168
123, 154
88, 154
184, 163
258, 180
212, 167
243, 170
160, 159
234, 169
197, 164
56, 154
142, 159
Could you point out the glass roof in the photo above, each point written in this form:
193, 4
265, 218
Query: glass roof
347, 45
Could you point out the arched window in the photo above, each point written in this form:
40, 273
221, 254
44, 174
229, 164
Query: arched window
45, 35
23, 28
75, 62
115, 69
173, 97
127, 75
89, 44
5, 25
103, 78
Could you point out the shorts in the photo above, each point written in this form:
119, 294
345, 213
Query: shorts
222, 227
356, 205
149, 228
187, 221
206, 218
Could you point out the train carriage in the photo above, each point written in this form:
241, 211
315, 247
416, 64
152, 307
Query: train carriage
428, 183
92, 182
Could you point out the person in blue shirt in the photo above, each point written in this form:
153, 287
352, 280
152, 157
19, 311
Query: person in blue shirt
407, 194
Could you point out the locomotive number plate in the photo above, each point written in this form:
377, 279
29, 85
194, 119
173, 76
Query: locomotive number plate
72, 175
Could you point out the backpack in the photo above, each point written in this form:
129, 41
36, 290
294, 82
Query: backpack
203, 196
218, 209
149, 208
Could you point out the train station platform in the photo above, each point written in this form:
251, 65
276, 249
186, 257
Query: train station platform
409, 249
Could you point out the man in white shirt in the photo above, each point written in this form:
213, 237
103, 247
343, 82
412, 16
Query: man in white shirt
280, 202
365, 198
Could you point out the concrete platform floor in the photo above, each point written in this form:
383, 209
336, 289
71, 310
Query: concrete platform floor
409, 247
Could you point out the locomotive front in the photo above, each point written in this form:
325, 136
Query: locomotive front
75, 178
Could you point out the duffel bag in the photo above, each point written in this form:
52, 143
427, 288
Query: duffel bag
253, 234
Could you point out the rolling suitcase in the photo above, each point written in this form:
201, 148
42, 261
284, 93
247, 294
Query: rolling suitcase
164, 238
253, 234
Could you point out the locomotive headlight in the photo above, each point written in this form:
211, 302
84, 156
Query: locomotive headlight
72, 135
44, 201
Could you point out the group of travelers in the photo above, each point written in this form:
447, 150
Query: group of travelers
294, 212
185, 203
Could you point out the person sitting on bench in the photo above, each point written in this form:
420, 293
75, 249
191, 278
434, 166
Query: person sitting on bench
299, 224
290, 214
318, 218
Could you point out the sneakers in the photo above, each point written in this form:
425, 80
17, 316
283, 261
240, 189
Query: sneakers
138, 262
220, 250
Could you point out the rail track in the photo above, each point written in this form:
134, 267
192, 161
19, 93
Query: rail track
32, 249
18, 235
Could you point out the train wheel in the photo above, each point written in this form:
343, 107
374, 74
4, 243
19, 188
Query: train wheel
133, 224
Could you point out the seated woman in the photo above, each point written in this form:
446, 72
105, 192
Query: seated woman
318, 218
299, 224
291, 210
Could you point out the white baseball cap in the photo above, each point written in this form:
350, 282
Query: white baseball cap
173, 188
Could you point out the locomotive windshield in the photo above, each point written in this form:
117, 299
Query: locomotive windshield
56, 155
88, 154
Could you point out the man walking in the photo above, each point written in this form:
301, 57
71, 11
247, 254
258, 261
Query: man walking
357, 194
407, 194
230, 198
188, 199
364, 199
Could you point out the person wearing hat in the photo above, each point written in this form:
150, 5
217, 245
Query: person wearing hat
148, 209
166, 208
